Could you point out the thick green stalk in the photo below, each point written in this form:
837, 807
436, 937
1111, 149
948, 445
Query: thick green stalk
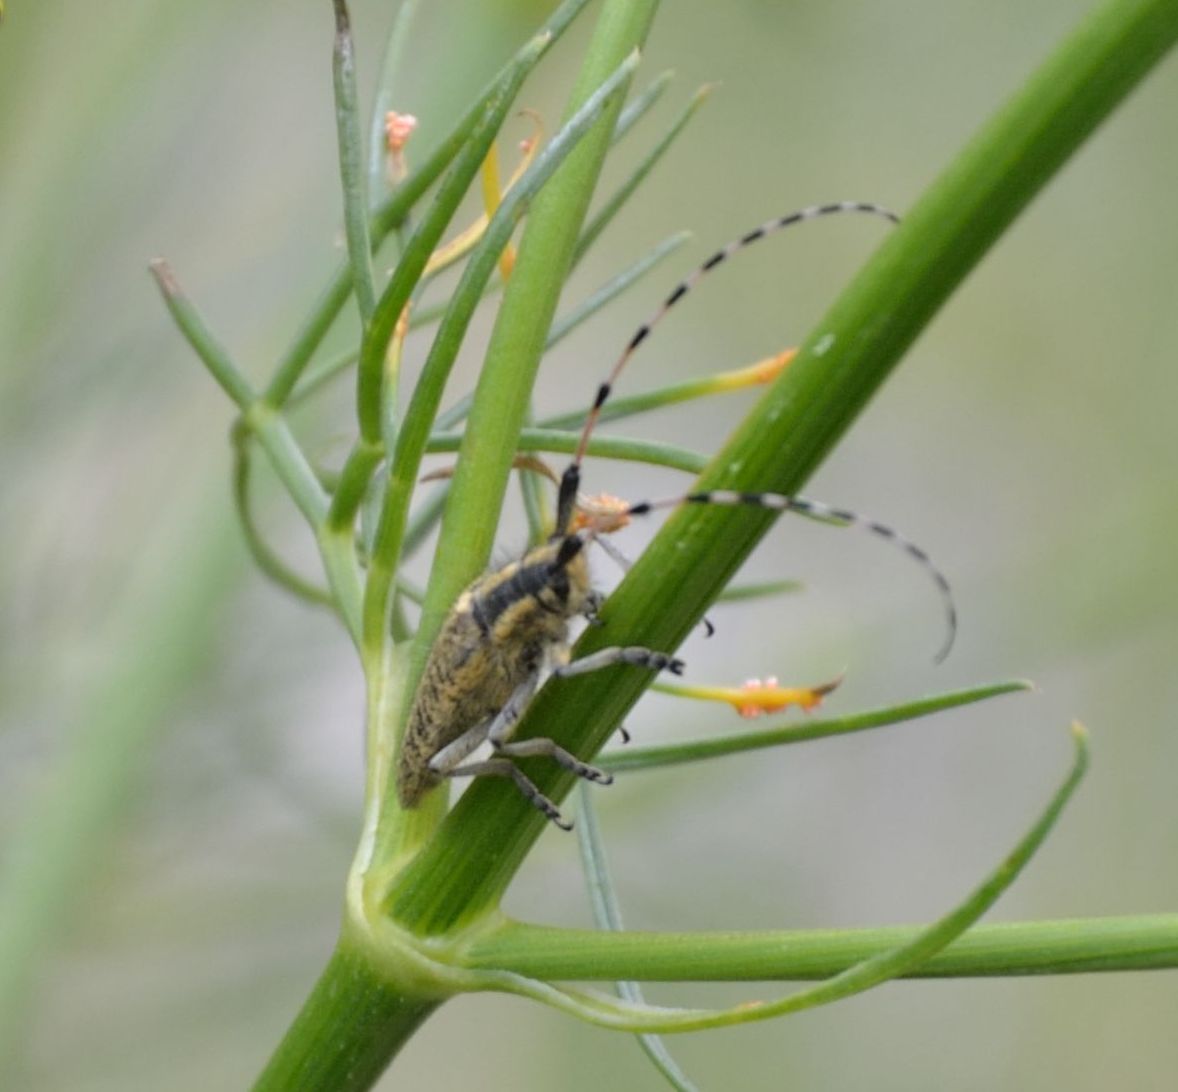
521, 329
350, 1028
476, 851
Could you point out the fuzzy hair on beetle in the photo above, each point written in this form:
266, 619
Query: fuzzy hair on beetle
508, 633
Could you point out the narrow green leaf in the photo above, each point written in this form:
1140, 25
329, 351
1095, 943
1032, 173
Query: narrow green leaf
318, 376
264, 556
607, 913
392, 212
640, 105
424, 241
285, 455
196, 332
351, 161
630, 405
384, 100
739, 593
624, 192
610, 291
431, 313
893, 962
625, 448
672, 754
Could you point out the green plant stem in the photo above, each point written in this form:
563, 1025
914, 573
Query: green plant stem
1075, 946
521, 328
472, 857
352, 1025
427, 395
296, 474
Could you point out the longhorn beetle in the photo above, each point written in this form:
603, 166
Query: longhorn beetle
508, 632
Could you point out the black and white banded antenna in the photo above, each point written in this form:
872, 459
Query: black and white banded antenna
571, 478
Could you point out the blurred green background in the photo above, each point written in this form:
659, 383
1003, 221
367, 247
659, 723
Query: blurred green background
1028, 443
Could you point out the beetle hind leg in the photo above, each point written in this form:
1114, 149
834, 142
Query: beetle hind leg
504, 767
540, 745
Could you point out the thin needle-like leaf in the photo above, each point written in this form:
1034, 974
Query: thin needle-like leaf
351, 161
624, 192
613, 288
607, 913
392, 212
638, 107
739, 593
369, 448
390, 68
264, 556
196, 332
607, 447
672, 754
596, 1008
